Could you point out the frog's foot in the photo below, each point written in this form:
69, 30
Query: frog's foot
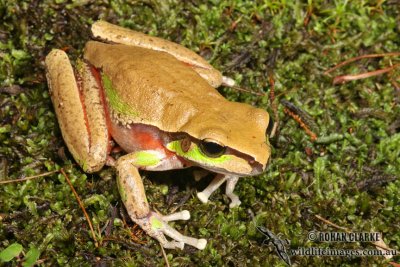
216, 183
157, 227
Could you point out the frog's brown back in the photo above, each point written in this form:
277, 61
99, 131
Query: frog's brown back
166, 93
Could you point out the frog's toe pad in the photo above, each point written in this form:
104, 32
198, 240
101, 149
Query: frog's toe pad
201, 243
235, 203
203, 196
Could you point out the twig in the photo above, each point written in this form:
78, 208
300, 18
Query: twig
246, 90
331, 223
358, 58
297, 118
130, 245
307, 18
301, 117
134, 233
182, 201
346, 78
82, 207
273, 104
28, 178
165, 256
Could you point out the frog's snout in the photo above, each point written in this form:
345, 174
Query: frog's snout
258, 168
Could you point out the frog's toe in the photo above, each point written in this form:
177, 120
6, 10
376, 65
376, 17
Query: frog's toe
170, 244
235, 201
174, 234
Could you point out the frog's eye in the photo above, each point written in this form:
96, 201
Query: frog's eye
270, 127
211, 149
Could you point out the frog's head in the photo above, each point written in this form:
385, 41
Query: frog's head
231, 139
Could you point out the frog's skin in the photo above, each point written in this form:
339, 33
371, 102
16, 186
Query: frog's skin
157, 101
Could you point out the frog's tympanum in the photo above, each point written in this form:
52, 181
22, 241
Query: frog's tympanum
157, 100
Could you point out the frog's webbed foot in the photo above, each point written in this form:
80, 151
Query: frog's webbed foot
157, 227
216, 183
134, 198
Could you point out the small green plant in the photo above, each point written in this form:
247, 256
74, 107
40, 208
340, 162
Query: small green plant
14, 251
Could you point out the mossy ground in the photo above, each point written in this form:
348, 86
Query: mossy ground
350, 177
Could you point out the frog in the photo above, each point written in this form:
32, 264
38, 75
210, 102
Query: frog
157, 101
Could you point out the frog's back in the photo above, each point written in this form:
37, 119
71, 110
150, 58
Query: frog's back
153, 84
157, 89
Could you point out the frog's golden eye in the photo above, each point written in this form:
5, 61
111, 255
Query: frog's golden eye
270, 127
211, 149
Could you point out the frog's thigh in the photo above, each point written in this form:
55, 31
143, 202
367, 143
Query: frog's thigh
80, 113
120, 35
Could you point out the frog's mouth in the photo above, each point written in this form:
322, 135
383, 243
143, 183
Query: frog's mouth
256, 170
256, 167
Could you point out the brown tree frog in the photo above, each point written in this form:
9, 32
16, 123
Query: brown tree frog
157, 100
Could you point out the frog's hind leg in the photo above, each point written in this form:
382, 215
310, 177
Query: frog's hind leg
116, 34
79, 109
134, 198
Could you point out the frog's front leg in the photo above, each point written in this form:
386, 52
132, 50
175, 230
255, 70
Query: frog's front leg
133, 195
230, 180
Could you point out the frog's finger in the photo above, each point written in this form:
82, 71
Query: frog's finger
171, 232
182, 215
230, 186
214, 185
169, 244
